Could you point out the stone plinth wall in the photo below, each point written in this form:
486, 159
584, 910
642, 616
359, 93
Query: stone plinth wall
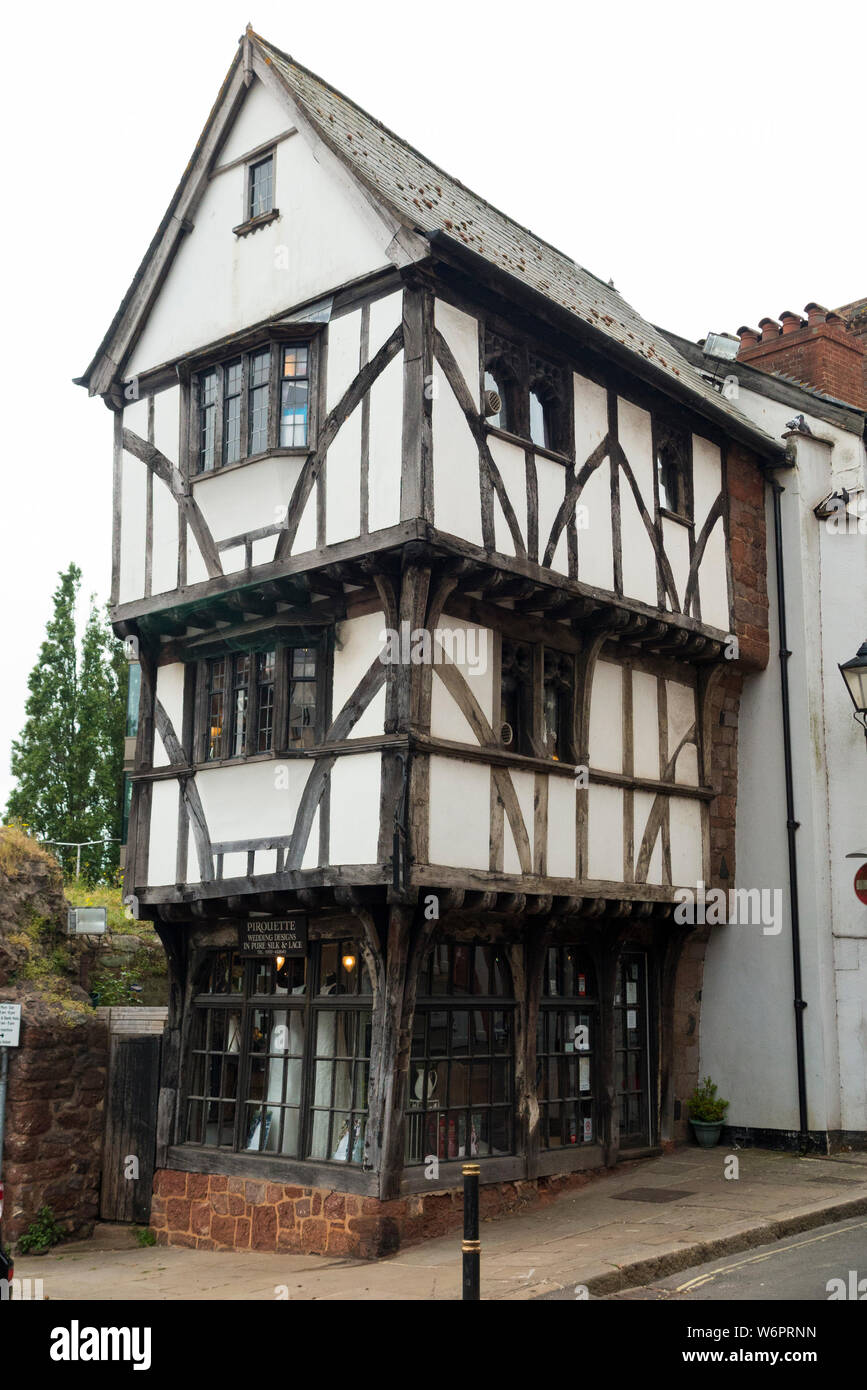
55, 1120
210, 1211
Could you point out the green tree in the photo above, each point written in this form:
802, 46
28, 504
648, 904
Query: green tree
68, 760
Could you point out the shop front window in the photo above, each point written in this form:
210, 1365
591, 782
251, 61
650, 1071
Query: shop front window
566, 1049
461, 1088
280, 1055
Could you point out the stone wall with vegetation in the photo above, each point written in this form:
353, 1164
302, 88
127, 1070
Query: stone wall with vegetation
55, 1109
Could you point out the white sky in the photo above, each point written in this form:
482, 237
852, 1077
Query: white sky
709, 159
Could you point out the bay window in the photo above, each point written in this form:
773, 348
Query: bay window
279, 1056
243, 694
252, 403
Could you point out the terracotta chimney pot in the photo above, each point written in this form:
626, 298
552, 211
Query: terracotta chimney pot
816, 314
770, 329
791, 322
748, 336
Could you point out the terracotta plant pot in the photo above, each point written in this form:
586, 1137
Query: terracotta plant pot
707, 1132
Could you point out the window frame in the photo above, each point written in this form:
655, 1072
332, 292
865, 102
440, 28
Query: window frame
529, 738
418, 1111
281, 684
243, 1004
551, 1005
262, 158
246, 349
670, 436
519, 371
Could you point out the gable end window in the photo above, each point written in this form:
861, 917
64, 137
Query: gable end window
260, 187
257, 702
252, 403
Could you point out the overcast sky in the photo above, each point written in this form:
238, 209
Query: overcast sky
708, 159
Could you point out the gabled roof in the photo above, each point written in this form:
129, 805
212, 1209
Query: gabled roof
425, 199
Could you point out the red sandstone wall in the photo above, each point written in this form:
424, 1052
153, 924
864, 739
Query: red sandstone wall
55, 1119
210, 1211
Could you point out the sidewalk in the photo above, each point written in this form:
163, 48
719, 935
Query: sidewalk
648, 1220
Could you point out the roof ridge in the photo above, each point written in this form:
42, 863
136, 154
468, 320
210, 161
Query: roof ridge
287, 57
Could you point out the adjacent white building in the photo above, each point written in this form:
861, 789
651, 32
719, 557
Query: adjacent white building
748, 1022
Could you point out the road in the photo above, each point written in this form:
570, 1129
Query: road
798, 1267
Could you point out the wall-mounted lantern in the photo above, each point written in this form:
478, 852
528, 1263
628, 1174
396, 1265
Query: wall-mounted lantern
854, 673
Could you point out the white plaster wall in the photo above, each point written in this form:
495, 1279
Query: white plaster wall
260, 118
461, 332
219, 284
606, 718
167, 422
360, 641
343, 482
642, 805
460, 813
164, 555
605, 833
675, 540
386, 425
509, 459
243, 499
591, 416
706, 478
525, 787
561, 827
686, 844
457, 508
680, 703
645, 725
252, 800
132, 529
713, 583
593, 521
170, 693
551, 489
639, 560
385, 315
344, 356
467, 639
163, 843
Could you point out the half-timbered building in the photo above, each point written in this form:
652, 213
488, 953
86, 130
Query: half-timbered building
443, 569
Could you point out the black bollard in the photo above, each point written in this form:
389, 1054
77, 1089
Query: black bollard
471, 1246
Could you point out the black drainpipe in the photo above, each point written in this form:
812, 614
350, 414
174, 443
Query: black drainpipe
791, 824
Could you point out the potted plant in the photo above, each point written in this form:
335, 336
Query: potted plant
707, 1113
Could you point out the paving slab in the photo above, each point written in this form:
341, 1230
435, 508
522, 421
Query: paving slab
590, 1238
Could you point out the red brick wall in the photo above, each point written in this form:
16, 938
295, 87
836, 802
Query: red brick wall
210, 1211
748, 543
824, 355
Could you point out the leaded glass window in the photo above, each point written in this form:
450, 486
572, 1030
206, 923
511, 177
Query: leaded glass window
566, 1049
294, 396
262, 187
252, 404
302, 697
279, 1055
461, 1087
247, 693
